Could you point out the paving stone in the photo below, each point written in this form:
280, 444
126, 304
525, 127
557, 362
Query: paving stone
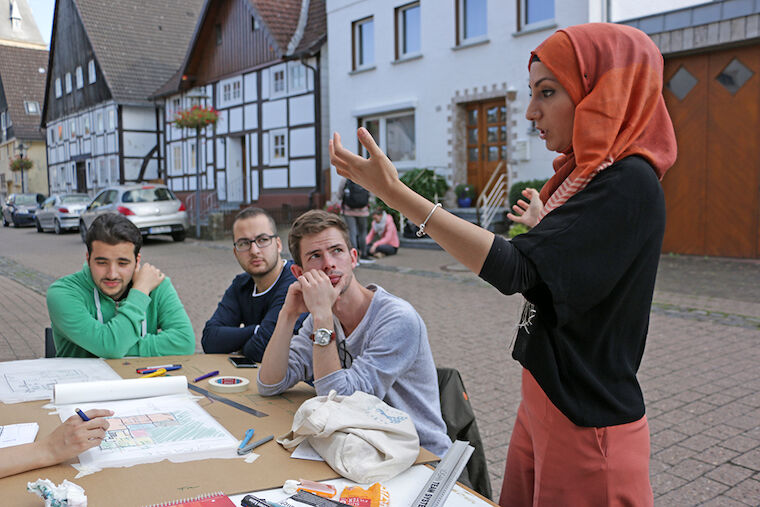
716, 455
690, 469
747, 491
693, 493
729, 474
750, 459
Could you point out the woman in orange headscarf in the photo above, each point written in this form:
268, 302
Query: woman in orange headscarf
586, 269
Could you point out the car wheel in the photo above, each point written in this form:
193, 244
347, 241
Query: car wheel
179, 235
37, 223
83, 232
57, 226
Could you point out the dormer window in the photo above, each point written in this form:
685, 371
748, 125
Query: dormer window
58, 91
91, 71
32, 107
68, 82
80, 77
15, 15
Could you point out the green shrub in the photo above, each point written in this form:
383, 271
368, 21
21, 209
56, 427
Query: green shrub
464, 190
515, 191
516, 229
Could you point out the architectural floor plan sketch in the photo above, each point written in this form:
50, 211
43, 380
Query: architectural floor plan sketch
148, 430
34, 379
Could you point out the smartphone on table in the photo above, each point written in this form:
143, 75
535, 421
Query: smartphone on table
243, 362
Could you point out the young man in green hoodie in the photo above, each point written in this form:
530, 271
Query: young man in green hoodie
117, 306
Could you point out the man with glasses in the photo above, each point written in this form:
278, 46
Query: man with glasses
356, 338
247, 313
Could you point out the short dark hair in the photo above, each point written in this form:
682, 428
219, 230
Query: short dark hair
313, 222
254, 212
112, 229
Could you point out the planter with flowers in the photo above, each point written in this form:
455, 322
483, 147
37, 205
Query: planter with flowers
197, 117
20, 164
465, 195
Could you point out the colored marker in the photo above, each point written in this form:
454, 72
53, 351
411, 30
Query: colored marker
156, 373
207, 375
250, 447
81, 414
167, 366
247, 438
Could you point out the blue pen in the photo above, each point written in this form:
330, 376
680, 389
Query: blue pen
247, 438
81, 414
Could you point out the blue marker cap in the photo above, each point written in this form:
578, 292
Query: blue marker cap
247, 438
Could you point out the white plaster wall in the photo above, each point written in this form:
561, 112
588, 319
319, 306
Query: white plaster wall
274, 114
138, 118
302, 142
301, 109
432, 81
138, 144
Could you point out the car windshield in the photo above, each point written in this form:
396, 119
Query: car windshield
75, 199
148, 194
26, 200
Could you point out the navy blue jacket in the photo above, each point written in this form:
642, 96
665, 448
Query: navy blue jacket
258, 314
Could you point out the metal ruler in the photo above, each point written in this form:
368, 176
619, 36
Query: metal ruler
226, 401
440, 484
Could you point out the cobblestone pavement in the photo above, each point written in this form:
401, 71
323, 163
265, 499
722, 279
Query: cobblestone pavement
700, 371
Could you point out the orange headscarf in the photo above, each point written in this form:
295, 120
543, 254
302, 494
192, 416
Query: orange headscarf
613, 74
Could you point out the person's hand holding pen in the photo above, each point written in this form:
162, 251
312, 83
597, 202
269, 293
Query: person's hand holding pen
75, 436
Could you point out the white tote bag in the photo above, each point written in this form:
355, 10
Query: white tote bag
359, 436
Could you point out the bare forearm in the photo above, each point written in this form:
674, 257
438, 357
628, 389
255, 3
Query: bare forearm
20, 458
274, 364
466, 242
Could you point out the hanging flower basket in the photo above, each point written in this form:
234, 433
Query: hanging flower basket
197, 117
20, 164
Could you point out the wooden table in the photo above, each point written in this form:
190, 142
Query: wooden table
166, 481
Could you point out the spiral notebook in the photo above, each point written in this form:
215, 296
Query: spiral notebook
217, 499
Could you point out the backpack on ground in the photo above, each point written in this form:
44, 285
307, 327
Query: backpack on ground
354, 195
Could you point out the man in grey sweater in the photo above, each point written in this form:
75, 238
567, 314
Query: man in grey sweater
356, 338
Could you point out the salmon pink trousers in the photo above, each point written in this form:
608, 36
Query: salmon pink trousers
553, 462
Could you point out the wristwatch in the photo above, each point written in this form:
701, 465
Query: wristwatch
322, 336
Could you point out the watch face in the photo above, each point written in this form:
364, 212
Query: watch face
322, 336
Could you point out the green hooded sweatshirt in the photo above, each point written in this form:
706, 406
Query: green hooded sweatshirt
87, 323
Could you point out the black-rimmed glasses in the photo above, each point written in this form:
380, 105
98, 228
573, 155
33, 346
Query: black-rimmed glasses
262, 241
346, 359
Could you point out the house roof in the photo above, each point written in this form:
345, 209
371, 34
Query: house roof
281, 20
23, 81
139, 44
27, 32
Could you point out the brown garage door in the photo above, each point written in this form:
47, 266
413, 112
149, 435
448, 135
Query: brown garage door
713, 191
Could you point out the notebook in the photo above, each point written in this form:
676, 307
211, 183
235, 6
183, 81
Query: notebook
217, 499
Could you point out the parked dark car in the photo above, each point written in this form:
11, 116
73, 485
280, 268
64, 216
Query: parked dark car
60, 212
19, 209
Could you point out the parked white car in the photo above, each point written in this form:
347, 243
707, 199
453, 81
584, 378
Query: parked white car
153, 208
60, 212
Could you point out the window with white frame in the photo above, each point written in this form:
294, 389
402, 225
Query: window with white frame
68, 82
363, 43
86, 124
472, 20
72, 129
236, 90
99, 121
111, 119
176, 106
278, 80
32, 107
394, 134
58, 91
51, 136
229, 92
192, 159
80, 77
408, 30
279, 144
91, 71
177, 159
296, 77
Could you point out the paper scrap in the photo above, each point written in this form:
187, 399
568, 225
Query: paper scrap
17, 434
306, 451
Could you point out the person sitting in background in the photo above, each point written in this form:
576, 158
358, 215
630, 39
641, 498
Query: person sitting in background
71, 438
255, 297
382, 239
116, 305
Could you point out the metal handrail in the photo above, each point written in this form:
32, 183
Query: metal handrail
493, 196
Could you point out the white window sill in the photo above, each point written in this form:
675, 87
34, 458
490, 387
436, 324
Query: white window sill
475, 41
362, 69
549, 24
407, 58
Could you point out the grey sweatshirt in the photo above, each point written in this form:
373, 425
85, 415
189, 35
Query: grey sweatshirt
388, 356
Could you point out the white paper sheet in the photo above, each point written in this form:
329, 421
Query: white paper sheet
111, 390
33, 379
17, 434
144, 428
306, 451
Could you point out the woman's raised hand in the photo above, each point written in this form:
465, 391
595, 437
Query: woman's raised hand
527, 212
377, 173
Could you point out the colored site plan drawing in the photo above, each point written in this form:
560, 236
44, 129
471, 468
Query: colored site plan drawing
154, 429
148, 430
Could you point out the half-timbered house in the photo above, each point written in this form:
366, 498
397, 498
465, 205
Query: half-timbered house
105, 60
259, 63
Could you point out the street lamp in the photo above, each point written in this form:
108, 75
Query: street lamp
22, 149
